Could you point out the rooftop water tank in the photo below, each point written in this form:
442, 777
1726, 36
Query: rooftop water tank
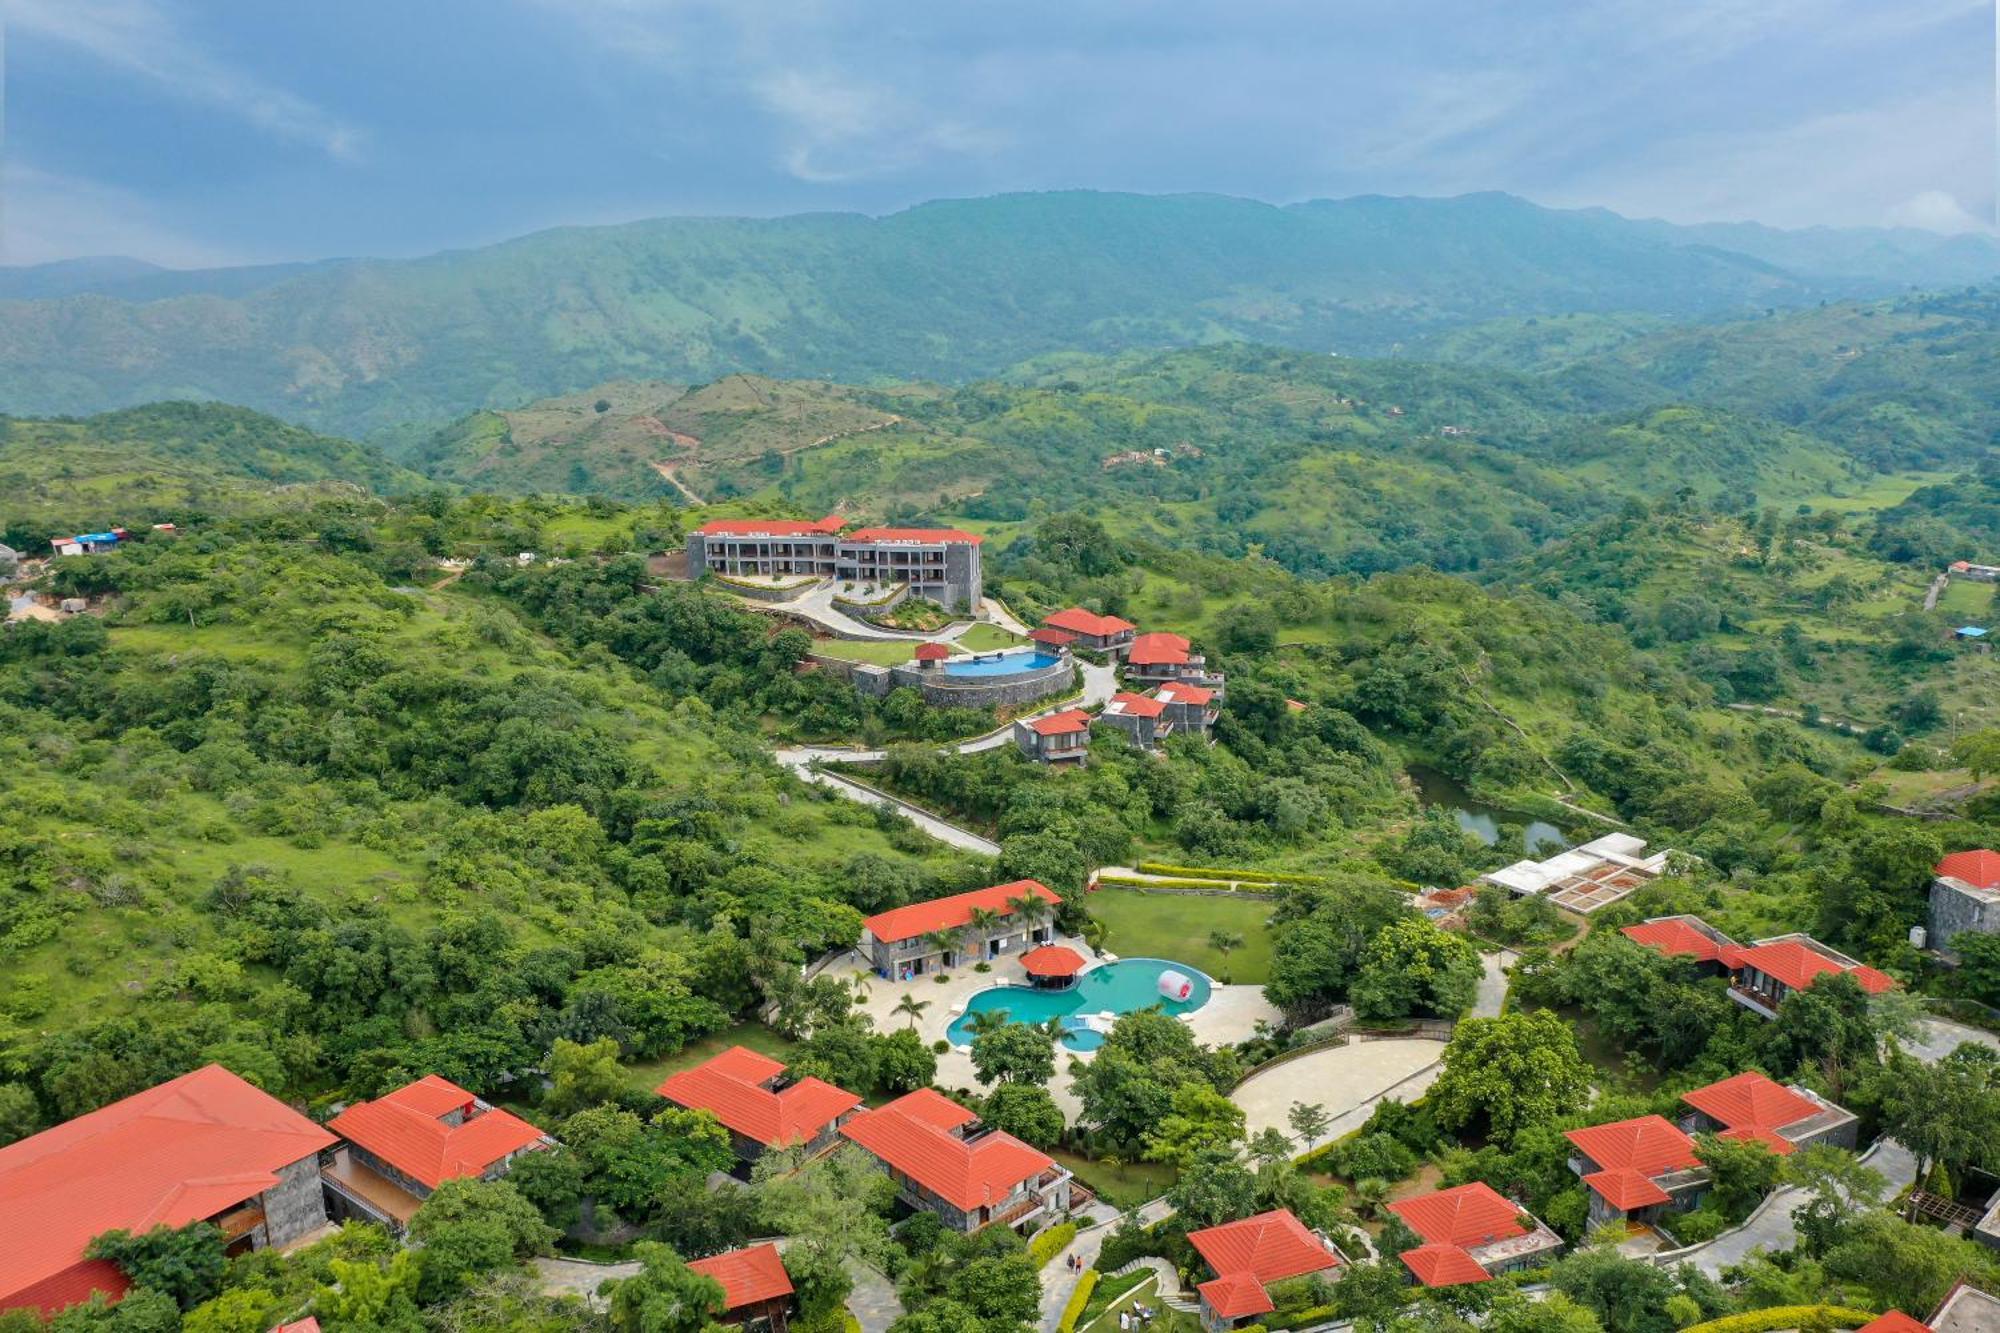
1176, 985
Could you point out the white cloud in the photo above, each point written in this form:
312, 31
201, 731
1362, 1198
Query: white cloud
1936, 210
46, 215
140, 36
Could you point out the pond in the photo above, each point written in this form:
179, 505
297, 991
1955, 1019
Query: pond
1440, 792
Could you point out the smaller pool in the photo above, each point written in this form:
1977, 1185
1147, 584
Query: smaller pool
1001, 664
1115, 988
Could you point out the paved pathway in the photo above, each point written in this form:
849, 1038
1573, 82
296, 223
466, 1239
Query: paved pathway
873, 1300
1492, 997
1057, 1279
1347, 1080
580, 1277
1938, 1037
1770, 1228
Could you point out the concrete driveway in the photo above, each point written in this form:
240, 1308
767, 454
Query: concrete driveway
1347, 1080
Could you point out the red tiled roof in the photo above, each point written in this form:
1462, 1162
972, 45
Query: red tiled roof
1751, 1107
1443, 1266
1158, 649
1175, 692
1980, 869
1067, 722
307, 1325
730, 1085
1626, 1189
1894, 1321
1793, 964
1052, 960
748, 1276
914, 1135
944, 536
1236, 1295
772, 527
188, 1149
1648, 1143
1058, 638
1079, 621
1465, 1215
932, 652
406, 1130
1267, 1248
906, 923
1677, 938
1135, 705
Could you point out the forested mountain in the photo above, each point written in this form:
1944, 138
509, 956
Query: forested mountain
946, 290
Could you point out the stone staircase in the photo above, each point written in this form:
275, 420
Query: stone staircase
1169, 1288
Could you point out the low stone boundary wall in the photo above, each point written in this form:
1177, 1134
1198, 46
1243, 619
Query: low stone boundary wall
942, 690
760, 592
873, 611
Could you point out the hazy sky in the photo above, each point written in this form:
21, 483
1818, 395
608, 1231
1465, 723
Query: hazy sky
199, 131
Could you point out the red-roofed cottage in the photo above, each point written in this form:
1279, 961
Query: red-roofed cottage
1059, 738
402, 1146
1248, 1256
1470, 1234
1762, 974
1140, 716
1098, 633
945, 1161
760, 1107
905, 942
1685, 937
206, 1146
755, 1287
1160, 657
1191, 708
1751, 1107
1965, 895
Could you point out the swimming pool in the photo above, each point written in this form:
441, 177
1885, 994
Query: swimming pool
1120, 988
1001, 664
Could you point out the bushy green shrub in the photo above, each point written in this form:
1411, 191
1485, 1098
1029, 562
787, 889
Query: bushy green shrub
1784, 1316
1051, 1241
1077, 1300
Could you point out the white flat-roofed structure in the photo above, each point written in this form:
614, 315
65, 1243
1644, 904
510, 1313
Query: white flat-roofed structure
1585, 878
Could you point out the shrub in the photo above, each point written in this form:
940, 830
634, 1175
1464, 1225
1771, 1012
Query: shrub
1784, 1316
941, 1046
1374, 1156
1051, 1241
1227, 872
1312, 1314
1077, 1300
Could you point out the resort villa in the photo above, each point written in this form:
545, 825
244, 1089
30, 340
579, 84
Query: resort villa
1248, 1255
206, 1146
1100, 634
1965, 895
941, 564
761, 1108
1163, 658
1471, 1234
400, 1148
1191, 708
1964, 1309
946, 1162
906, 942
1059, 738
1142, 717
1638, 1169
1585, 878
1760, 975
756, 1289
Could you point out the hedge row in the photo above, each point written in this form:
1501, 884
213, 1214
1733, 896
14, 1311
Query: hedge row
1784, 1316
1050, 1242
1226, 872
1077, 1300
1134, 882
1312, 1314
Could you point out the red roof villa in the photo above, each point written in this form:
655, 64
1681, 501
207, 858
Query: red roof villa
1761, 975
756, 1289
1965, 895
1191, 708
1471, 1234
1249, 1255
904, 942
1162, 656
1639, 1169
945, 1161
202, 1147
1140, 716
401, 1147
760, 1107
1059, 738
1092, 631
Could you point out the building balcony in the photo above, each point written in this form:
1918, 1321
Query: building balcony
240, 1222
1755, 1001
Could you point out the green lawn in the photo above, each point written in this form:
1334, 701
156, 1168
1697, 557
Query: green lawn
1126, 1185
1177, 927
1967, 600
647, 1074
984, 638
876, 651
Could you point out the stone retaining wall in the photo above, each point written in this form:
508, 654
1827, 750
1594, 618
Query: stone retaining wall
942, 690
875, 610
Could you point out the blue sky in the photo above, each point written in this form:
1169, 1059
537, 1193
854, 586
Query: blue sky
219, 131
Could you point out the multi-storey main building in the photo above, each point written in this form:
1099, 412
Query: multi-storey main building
941, 564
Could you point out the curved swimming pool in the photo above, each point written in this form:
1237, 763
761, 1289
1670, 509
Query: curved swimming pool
1118, 988
1001, 664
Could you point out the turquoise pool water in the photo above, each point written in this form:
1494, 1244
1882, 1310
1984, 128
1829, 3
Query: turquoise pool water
1001, 664
1120, 987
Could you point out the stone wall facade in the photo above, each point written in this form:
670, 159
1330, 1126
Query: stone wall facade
1957, 907
295, 1206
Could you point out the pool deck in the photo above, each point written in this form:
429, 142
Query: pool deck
1231, 1015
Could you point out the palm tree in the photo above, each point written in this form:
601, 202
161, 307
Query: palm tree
911, 1006
945, 942
1372, 1194
1222, 941
984, 1021
980, 922
1032, 908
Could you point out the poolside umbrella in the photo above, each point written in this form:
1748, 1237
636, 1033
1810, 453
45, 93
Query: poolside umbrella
1052, 961
1176, 985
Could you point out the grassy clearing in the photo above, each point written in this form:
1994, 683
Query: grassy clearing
983, 638
1126, 1185
647, 1074
875, 651
1177, 927
1966, 600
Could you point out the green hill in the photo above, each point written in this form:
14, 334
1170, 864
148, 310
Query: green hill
945, 290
